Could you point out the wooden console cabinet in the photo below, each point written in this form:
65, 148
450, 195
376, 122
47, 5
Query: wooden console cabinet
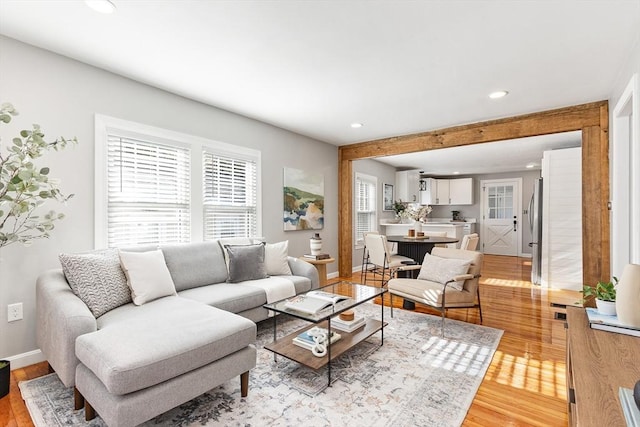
598, 364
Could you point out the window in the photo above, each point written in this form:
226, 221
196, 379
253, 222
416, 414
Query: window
230, 207
148, 192
155, 186
366, 190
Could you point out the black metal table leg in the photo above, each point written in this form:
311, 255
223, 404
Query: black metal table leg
329, 350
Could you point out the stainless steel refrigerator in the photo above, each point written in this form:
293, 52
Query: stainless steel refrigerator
535, 223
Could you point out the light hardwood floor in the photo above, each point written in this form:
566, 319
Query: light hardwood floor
525, 384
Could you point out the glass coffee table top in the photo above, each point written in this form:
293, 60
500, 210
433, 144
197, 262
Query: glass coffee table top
356, 293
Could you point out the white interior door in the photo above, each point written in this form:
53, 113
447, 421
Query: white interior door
501, 217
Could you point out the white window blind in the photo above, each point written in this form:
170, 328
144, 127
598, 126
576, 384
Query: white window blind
365, 206
230, 196
148, 192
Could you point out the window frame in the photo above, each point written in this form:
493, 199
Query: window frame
359, 243
106, 124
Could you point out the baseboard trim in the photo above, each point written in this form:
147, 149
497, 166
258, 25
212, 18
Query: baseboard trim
26, 359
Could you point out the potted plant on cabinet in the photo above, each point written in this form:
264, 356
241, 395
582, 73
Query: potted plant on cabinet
605, 295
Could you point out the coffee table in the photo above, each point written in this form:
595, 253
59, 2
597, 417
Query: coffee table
358, 294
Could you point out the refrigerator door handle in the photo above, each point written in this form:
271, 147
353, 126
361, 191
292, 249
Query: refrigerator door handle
531, 213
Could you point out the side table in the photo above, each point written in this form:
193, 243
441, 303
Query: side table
321, 266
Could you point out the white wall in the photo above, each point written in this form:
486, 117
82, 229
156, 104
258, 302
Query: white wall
617, 264
62, 95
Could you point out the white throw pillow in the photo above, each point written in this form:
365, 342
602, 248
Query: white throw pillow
147, 275
276, 258
441, 270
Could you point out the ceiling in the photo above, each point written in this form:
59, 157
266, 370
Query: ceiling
315, 67
494, 157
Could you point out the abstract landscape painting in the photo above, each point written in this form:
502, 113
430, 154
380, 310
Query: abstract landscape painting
303, 200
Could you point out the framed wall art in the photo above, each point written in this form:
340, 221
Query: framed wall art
387, 197
303, 200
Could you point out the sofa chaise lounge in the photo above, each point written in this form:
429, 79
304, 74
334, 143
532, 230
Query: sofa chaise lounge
135, 361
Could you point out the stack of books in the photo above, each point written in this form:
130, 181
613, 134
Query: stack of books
305, 340
610, 323
347, 325
318, 256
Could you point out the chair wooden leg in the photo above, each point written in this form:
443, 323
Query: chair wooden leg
78, 399
479, 305
244, 384
89, 412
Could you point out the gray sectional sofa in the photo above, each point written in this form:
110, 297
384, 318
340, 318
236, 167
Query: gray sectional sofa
135, 361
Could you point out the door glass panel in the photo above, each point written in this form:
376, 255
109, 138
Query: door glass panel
500, 202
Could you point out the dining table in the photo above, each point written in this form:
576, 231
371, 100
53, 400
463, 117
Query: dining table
416, 247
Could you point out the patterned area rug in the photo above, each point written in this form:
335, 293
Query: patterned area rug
415, 378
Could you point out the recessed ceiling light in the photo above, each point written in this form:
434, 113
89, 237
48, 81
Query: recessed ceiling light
498, 94
530, 166
356, 125
102, 6
456, 173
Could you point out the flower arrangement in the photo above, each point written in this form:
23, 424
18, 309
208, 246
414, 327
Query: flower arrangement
418, 212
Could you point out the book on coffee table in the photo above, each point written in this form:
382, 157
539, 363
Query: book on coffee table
314, 301
305, 340
347, 325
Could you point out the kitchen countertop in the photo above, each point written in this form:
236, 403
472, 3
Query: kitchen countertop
427, 224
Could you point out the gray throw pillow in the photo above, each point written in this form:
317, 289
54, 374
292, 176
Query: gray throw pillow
97, 279
246, 262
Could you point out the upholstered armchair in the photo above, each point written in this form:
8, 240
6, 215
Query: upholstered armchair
449, 278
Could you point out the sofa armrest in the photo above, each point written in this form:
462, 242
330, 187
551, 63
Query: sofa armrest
61, 318
302, 268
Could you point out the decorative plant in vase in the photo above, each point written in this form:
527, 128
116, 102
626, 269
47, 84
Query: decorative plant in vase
24, 187
605, 295
399, 207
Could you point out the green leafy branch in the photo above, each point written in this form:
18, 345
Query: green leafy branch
24, 187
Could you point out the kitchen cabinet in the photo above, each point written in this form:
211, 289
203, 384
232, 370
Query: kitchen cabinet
407, 186
429, 194
461, 191
447, 191
442, 192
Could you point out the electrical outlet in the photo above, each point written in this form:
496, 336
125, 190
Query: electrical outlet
14, 312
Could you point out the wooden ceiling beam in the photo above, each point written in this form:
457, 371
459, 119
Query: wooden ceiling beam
553, 121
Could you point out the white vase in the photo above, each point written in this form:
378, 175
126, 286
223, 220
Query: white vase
606, 308
316, 244
628, 296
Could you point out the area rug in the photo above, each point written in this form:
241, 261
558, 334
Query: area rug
415, 379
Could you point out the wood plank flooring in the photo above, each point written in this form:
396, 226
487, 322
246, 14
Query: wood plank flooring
525, 383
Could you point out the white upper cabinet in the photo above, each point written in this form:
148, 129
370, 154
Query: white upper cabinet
461, 191
442, 192
407, 186
447, 191
429, 194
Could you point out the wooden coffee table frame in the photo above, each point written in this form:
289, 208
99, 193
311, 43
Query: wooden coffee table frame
284, 346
